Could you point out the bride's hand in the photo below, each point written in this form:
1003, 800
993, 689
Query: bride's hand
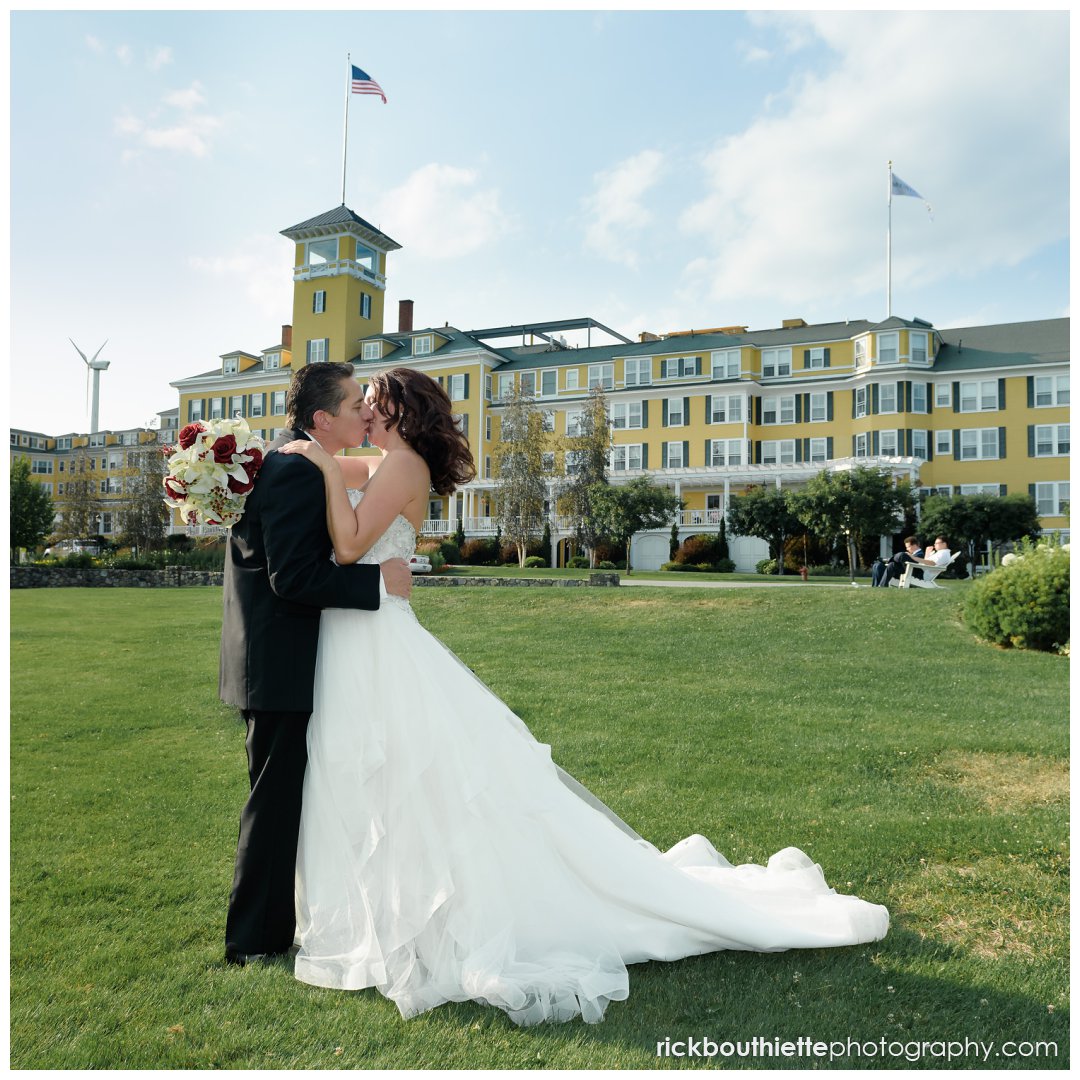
311, 450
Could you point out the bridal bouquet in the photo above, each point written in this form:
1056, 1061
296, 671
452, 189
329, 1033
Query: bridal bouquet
210, 474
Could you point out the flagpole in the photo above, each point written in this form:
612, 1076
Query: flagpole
888, 253
345, 136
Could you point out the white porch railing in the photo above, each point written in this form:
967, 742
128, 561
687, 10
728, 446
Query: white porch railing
337, 266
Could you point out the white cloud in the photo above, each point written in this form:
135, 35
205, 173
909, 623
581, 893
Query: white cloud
123, 54
161, 56
754, 54
192, 134
616, 209
94, 43
255, 273
794, 208
187, 99
440, 213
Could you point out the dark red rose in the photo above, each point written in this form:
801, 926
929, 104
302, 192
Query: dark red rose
255, 464
174, 489
224, 448
188, 434
240, 488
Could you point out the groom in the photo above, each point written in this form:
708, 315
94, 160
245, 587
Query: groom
278, 577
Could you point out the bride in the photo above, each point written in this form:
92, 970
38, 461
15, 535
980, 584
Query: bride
443, 855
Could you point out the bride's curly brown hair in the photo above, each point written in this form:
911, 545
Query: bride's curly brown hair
419, 408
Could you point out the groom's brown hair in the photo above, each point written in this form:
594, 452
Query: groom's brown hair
314, 387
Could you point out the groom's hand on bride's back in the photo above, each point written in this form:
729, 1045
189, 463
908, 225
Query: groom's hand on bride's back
397, 577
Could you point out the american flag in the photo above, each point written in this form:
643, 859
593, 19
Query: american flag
363, 83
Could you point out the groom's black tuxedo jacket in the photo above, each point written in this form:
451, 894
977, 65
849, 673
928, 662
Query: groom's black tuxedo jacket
278, 577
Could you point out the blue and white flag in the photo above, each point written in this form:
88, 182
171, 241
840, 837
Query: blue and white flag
900, 188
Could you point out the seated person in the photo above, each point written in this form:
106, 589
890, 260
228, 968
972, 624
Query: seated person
912, 551
938, 555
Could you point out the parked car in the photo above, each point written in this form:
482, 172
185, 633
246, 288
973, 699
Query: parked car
420, 564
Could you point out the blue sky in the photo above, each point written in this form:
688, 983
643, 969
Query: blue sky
657, 171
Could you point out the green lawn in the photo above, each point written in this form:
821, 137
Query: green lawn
921, 769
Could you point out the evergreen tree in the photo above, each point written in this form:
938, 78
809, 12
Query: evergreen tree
31, 508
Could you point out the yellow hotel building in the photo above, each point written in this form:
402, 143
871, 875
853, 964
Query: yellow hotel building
706, 412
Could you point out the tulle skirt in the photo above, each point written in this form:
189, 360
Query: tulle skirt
444, 857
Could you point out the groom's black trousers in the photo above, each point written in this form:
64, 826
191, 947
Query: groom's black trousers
262, 914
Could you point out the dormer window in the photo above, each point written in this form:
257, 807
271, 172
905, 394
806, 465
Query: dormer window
888, 348
230, 365
272, 361
422, 345
372, 350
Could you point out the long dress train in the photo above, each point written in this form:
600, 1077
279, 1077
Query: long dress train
444, 857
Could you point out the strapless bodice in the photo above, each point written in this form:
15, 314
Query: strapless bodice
398, 542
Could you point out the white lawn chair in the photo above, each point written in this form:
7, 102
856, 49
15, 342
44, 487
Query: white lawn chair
908, 580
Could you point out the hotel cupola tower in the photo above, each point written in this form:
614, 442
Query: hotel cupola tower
339, 285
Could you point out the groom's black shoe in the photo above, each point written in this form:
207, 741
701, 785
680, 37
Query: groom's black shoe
239, 959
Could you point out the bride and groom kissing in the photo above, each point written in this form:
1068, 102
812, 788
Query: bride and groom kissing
404, 828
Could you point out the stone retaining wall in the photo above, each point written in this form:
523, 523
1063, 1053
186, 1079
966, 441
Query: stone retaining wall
59, 577
54, 577
606, 578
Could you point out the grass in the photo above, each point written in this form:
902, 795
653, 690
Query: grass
922, 769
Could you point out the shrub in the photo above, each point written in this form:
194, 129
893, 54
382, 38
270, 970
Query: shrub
179, 542
701, 548
450, 551
532, 561
685, 567
1024, 604
578, 562
724, 566
479, 552
82, 561
605, 564
766, 566
438, 563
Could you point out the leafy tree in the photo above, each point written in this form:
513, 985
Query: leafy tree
621, 511
590, 448
520, 474
80, 505
765, 512
722, 550
970, 522
31, 508
673, 543
854, 504
144, 516
459, 533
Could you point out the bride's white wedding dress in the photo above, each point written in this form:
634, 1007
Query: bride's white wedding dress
444, 857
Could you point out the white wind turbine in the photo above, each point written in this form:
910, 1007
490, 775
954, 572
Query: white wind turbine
97, 367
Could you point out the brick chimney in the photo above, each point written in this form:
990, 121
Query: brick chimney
404, 319
286, 336
646, 335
